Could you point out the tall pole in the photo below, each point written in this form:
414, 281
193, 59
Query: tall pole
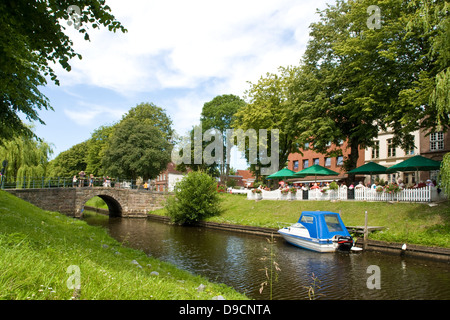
366, 231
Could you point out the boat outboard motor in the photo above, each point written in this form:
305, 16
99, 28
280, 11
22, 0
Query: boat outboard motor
345, 243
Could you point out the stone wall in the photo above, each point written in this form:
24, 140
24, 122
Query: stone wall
71, 201
59, 199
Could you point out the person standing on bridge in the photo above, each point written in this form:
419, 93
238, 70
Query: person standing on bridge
91, 180
82, 175
74, 181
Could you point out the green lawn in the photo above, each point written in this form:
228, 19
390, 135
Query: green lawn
37, 247
405, 222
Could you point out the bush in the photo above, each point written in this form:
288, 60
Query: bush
334, 186
195, 199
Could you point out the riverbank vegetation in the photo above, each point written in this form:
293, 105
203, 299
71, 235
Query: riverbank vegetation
195, 199
37, 248
413, 223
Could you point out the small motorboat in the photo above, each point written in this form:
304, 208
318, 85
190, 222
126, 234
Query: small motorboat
320, 231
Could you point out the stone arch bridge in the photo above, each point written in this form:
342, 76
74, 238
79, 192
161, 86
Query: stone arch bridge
71, 201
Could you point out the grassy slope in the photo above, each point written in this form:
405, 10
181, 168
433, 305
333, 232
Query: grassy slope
405, 222
37, 247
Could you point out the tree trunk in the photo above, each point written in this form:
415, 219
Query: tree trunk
352, 159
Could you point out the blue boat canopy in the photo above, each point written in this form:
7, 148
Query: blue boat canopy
323, 224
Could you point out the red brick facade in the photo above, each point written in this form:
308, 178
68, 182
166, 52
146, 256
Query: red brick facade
298, 162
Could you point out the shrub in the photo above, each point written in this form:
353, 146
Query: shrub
195, 199
334, 185
392, 188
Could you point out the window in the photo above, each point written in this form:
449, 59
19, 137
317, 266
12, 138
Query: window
333, 223
316, 161
437, 141
296, 165
376, 150
327, 162
305, 164
307, 219
391, 148
409, 151
340, 161
307, 146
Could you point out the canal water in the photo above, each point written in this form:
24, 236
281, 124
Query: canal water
237, 260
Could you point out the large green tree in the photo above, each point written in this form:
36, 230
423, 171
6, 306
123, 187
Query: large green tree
32, 40
70, 162
96, 148
270, 106
151, 114
219, 114
136, 149
355, 79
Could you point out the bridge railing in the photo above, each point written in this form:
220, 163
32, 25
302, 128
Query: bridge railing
65, 182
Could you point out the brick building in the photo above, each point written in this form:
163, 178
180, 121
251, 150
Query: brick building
247, 177
298, 162
167, 179
433, 145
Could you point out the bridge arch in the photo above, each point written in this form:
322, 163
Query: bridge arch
114, 207
112, 198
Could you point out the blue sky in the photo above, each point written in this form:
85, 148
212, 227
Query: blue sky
177, 54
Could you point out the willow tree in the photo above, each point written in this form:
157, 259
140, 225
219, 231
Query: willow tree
445, 173
27, 157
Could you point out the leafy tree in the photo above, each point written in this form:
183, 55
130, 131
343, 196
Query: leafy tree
219, 114
432, 19
187, 144
136, 149
96, 148
270, 106
445, 173
153, 115
70, 162
26, 157
357, 81
196, 198
32, 39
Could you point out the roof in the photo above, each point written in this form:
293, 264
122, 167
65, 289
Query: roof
245, 174
171, 168
321, 226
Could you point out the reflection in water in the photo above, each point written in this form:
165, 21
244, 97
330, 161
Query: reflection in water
235, 259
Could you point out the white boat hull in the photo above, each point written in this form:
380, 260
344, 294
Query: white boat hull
320, 231
317, 245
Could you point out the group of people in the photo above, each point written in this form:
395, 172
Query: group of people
82, 177
323, 185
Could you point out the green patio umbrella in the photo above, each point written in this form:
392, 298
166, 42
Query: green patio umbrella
282, 174
416, 163
316, 170
369, 168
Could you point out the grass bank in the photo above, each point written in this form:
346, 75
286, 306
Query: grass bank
412, 223
37, 247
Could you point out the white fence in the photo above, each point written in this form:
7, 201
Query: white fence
425, 194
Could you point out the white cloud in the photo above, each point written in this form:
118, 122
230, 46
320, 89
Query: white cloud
177, 44
192, 50
87, 114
